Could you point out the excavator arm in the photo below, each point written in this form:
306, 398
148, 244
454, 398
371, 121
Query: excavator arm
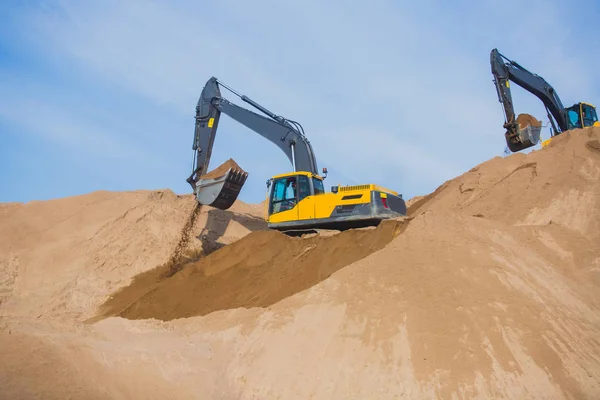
221, 190
503, 72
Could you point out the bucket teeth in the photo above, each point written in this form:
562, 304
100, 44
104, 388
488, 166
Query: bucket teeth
221, 192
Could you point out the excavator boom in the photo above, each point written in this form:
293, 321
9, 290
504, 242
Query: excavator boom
533, 83
222, 190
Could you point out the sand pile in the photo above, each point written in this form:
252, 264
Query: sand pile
61, 258
492, 290
256, 271
558, 185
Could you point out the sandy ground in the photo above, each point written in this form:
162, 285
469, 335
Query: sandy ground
490, 289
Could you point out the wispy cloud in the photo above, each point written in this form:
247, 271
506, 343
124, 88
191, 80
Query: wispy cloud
396, 93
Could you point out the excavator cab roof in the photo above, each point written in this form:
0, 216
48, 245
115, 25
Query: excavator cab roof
587, 104
305, 173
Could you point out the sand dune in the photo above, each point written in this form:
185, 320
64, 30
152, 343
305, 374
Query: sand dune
490, 289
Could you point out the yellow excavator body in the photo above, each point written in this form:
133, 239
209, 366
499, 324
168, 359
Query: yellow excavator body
581, 114
297, 200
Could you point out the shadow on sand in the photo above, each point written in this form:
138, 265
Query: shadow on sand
217, 223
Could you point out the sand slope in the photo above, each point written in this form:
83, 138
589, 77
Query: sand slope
557, 185
492, 290
61, 258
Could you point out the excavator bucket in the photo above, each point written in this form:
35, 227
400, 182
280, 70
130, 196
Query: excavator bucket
221, 187
528, 132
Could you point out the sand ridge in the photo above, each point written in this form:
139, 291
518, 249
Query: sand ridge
256, 271
558, 184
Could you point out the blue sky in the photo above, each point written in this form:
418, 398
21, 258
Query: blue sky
101, 95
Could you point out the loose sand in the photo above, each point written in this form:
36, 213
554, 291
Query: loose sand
491, 289
222, 169
527, 119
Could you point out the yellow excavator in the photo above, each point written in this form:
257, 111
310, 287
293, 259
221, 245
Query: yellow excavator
520, 136
296, 200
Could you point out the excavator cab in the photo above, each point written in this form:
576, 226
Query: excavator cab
286, 191
582, 115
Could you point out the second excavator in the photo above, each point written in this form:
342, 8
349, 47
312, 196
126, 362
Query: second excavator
296, 200
524, 131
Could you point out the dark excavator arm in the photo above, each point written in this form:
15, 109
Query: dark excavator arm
286, 134
511, 71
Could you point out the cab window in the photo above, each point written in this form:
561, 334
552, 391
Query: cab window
318, 185
303, 187
284, 194
589, 115
574, 121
